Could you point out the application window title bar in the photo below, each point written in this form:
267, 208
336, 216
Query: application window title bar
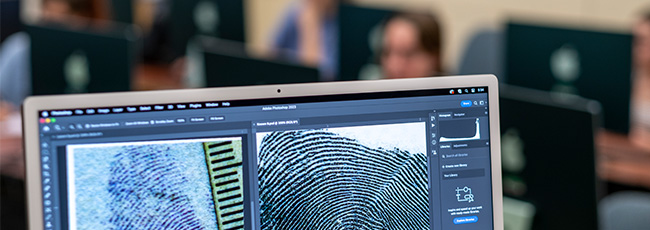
256, 102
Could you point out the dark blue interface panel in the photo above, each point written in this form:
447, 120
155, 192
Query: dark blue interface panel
390, 160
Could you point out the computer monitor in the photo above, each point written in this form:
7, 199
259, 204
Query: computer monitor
218, 18
74, 60
360, 36
122, 10
548, 159
226, 63
588, 63
390, 154
9, 18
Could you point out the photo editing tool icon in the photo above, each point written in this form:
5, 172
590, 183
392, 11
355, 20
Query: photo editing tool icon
464, 194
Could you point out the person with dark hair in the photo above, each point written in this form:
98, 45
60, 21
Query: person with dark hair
59, 10
640, 127
411, 46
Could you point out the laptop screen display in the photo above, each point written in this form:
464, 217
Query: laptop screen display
387, 160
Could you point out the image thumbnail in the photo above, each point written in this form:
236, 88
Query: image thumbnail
180, 184
362, 177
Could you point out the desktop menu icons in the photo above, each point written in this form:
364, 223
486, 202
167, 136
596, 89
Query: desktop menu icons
466, 90
47, 120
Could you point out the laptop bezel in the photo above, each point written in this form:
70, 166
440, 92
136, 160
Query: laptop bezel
32, 105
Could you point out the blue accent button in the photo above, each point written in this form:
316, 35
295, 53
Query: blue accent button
465, 220
466, 103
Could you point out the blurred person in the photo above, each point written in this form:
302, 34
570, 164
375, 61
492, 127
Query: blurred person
15, 74
309, 34
640, 104
15, 86
630, 209
411, 46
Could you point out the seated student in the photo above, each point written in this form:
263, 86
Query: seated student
640, 114
15, 75
411, 46
309, 31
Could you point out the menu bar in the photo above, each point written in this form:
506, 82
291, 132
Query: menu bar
75, 127
44, 114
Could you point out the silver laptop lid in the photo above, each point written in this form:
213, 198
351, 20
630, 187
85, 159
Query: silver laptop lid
391, 154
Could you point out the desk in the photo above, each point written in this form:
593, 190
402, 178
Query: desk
620, 161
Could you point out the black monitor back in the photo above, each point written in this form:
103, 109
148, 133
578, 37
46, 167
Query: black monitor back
227, 64
356, 27
122, 10
9, 18
548, 156
102, 58
593, 64
217, 18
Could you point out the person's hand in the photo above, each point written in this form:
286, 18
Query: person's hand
6, 109
11, 151
318, 9
310, 22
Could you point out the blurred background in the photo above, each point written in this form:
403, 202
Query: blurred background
575, 75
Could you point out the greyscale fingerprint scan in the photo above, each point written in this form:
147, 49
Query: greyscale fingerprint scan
366, 177
147, 185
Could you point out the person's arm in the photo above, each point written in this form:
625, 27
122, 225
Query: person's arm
310, 23
15, 69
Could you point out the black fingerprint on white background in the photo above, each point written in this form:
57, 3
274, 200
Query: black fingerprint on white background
315, 179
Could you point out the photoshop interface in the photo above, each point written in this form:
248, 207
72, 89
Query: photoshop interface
392, 160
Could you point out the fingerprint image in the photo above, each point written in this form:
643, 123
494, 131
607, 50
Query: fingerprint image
142, 185
324, 179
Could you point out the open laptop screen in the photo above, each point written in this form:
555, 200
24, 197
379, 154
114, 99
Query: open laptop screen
385, 160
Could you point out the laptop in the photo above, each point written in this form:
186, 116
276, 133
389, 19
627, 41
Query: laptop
217, 18
360, 36
548, 159
379, 154
227, 63
82, 60
587, 63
